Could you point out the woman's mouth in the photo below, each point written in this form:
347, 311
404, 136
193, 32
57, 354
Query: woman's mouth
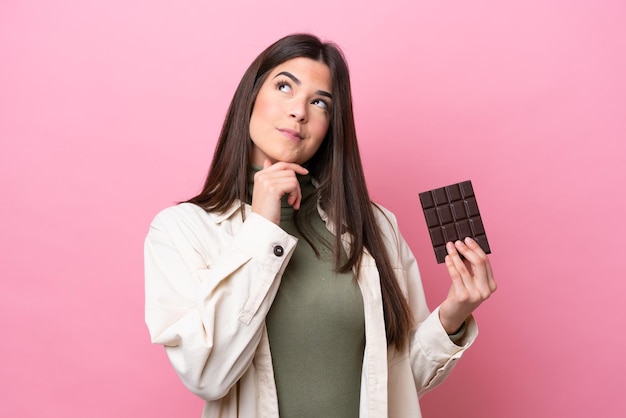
291, 134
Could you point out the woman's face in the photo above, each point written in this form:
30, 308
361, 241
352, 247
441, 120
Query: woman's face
291, 113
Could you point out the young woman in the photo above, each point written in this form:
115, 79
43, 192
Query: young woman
281, 289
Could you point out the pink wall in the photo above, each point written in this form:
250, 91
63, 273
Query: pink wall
109, 112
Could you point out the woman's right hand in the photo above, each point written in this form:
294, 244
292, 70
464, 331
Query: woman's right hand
271, 184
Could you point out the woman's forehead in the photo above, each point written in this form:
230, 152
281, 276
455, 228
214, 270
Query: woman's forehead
304, 70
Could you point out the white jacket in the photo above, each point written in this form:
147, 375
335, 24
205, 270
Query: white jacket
210, 282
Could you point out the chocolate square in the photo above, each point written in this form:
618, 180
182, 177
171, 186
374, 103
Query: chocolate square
451, 213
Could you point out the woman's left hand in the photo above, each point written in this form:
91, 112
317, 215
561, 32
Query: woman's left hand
472, 283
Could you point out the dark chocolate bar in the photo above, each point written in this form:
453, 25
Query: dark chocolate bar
452, 214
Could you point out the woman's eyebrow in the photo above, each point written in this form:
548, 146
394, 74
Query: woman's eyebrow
298, 82
291, 76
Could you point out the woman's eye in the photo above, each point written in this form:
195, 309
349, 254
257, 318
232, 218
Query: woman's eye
284, 87
321, 103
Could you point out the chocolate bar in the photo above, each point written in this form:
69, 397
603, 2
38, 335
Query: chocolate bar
452, 214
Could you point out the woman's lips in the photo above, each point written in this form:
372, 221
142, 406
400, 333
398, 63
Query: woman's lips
291, 134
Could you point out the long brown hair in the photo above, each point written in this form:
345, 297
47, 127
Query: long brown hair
336, 168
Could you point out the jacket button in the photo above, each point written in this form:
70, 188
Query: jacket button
278, 251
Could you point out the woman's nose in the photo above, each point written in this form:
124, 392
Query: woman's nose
298, 111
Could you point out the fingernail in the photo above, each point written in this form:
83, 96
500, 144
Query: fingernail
468, 240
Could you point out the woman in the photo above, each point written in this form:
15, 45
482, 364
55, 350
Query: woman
281, 289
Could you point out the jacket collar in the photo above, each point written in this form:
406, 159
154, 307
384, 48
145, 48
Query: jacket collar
232, 210
235, 210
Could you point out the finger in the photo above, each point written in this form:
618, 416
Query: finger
295, 198
457, 270
456, 260
458, 288
297, 168
452, 271
487, 264
475, 260
267, 164
480, 274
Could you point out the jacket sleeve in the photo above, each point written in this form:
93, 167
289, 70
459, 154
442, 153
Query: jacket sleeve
208, 289
432, 353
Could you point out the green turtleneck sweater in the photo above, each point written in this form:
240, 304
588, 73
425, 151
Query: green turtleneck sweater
316, 329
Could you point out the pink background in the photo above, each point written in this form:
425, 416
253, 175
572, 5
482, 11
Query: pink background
109, 112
